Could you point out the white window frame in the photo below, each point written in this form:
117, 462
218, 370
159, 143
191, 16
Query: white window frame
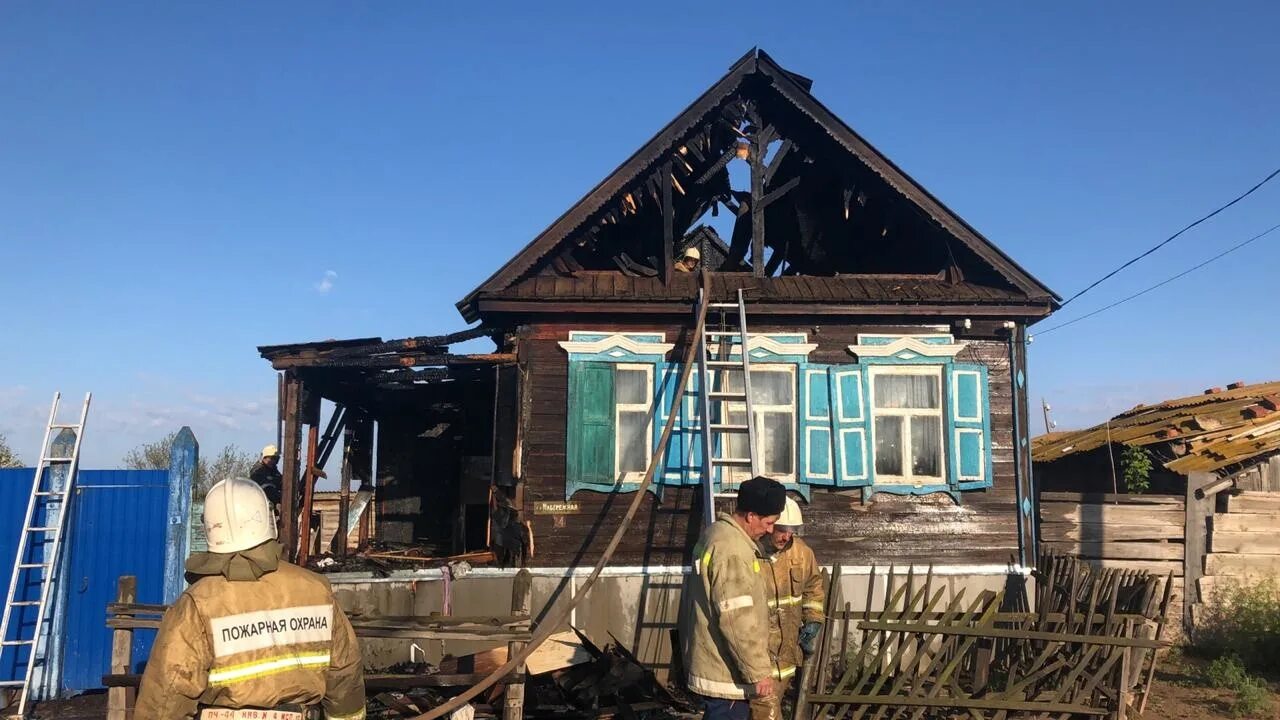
908, 477
736, 475
619, 408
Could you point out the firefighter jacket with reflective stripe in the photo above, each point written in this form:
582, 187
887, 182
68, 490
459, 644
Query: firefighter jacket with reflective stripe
794, 593
724, 623
280, 639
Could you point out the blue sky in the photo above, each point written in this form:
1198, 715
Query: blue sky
181, 182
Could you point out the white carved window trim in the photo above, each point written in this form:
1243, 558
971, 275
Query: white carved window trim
908, 477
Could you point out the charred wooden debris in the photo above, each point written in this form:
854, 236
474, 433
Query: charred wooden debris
600, 683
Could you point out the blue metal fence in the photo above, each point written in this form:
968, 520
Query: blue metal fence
15, 488
119, 530
117, 527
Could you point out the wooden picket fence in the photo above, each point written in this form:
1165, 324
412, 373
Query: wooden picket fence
1087, 649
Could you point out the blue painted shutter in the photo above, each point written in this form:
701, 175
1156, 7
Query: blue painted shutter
681, 464
589, 451
970, 426
816, 452
691, 427
850, 439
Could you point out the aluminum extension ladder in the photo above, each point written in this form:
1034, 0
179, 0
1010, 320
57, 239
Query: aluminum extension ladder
41, 532
715, 353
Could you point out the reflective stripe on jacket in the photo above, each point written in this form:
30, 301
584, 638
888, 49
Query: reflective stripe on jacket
281, 639
794, 593
723, 624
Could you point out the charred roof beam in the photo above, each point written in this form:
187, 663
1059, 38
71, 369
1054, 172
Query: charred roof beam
387, 361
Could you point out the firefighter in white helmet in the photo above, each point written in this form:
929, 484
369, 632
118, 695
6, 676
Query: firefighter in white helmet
689, 261
267, 473
795, 596
252, 633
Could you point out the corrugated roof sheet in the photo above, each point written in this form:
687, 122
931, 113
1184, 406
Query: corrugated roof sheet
1216, 430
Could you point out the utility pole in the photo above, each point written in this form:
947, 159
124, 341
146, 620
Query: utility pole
1049, 425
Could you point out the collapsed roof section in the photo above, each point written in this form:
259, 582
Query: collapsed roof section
807, 196
1219, 431
372, 373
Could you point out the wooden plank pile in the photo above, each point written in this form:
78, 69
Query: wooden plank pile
1244, 544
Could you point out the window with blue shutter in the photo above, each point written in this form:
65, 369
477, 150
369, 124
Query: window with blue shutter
905, 418
615, 383
589, 450
816, 456
849, 426
682, 462
928, 416
970, 426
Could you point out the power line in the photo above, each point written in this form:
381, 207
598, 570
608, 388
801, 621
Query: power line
1171, 238
1162, 283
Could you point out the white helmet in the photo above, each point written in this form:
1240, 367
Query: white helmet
790, 519
237, 516
692, 253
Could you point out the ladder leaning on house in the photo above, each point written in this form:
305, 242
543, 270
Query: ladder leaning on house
39, 547
716, 366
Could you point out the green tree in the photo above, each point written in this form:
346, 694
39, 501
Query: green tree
8, 458
152, 455
1135, 465
230, 461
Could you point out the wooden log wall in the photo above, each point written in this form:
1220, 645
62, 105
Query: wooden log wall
1244, 543
1132, 532
839, 526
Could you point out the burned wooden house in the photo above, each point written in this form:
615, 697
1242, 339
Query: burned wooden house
887, 352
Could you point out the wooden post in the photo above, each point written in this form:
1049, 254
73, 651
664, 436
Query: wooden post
365, 526
120, 699
281, 403
362, 474
292, 441
759, 147
344, 504
184, 458
1125, 692
521, 604
1026, 499
366, 522
1195, 543
308, 493
667, 259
